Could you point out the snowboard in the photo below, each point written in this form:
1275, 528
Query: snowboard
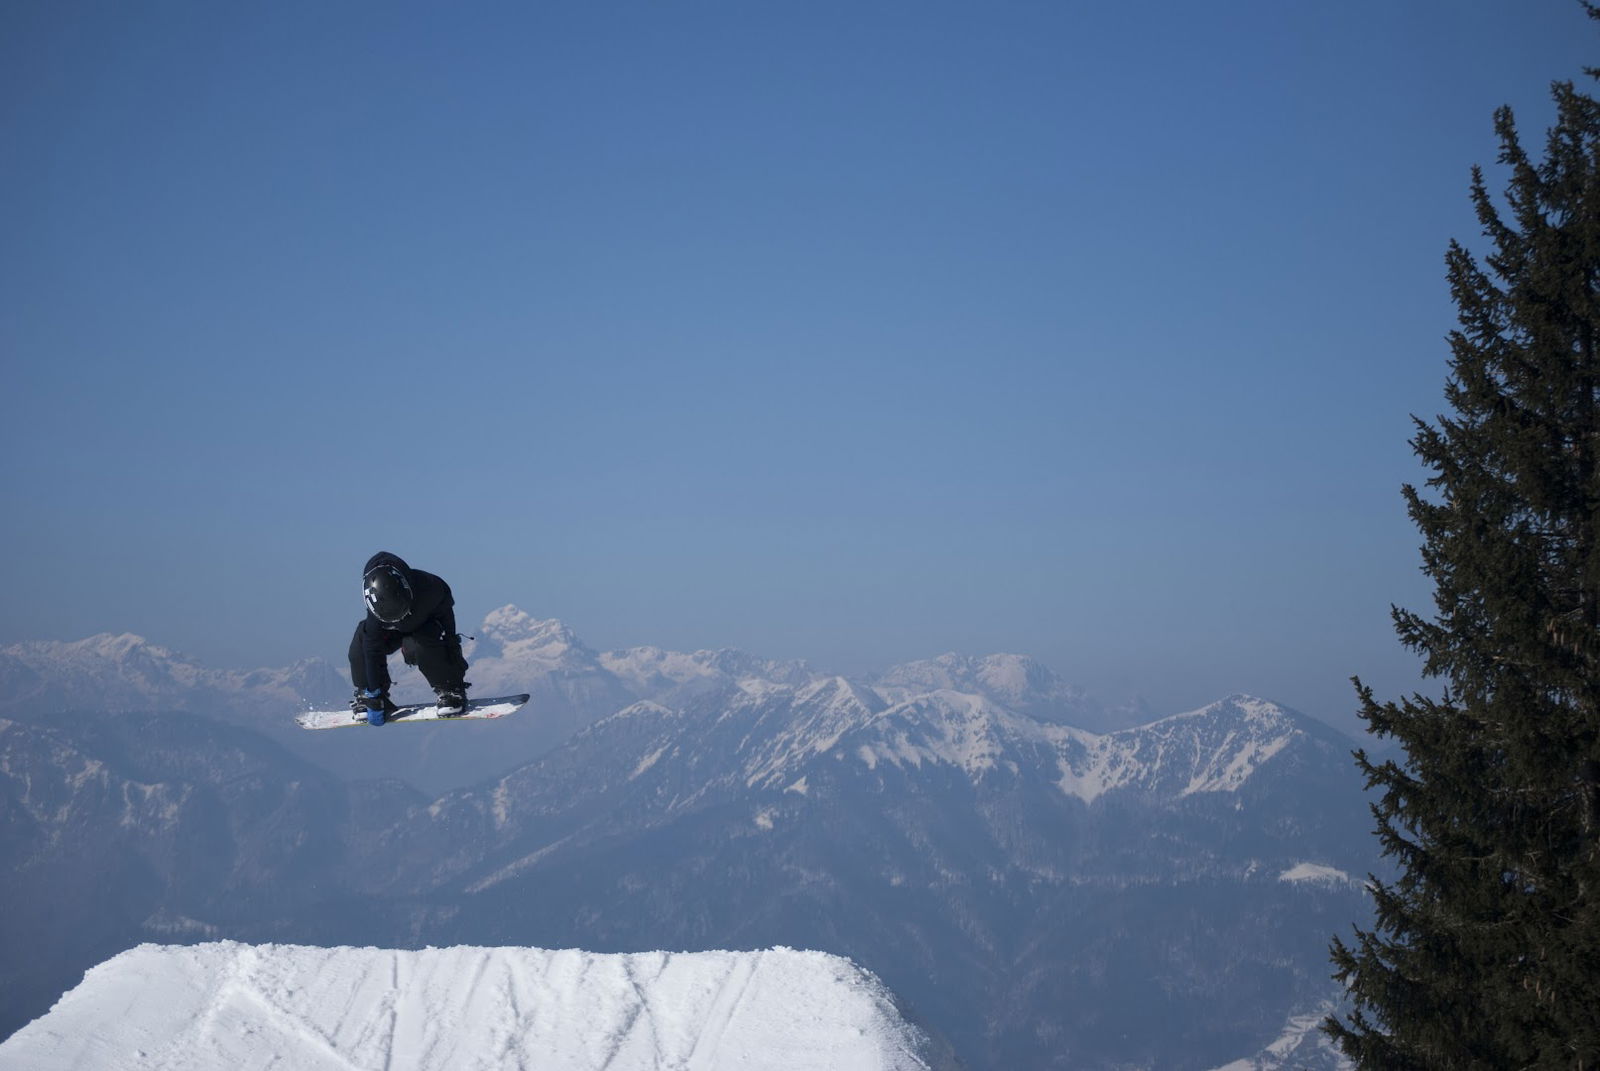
477, 710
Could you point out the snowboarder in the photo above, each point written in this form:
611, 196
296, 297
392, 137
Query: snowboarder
412, 612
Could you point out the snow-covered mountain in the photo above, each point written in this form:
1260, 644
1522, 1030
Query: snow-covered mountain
510, 651
128, 672
1044, 894
768, 735
229, 1005
513, 648
1015, 682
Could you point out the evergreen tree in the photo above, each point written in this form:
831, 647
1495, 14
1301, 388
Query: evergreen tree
1485, 949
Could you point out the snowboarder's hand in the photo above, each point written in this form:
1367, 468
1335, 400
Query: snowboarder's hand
377, 705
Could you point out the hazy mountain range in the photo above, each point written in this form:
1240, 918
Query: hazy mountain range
1040, 891
572, 685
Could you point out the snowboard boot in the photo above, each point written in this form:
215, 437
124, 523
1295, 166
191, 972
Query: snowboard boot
452, 700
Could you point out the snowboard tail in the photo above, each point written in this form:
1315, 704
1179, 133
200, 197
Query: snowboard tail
477, 710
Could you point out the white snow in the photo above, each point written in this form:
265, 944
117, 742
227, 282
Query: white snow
511, 637
943, 727
647, 762
234, 1006
1315, 874
1217, 748
645, 708
649, 668
1232, 764
1103, 769
516, 867
1301, 1043
810, 720
1013, 681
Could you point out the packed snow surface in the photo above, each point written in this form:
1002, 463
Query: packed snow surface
229, 1005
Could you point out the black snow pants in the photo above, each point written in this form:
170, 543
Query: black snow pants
434, 648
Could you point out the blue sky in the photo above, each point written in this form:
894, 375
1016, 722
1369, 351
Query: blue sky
850, 331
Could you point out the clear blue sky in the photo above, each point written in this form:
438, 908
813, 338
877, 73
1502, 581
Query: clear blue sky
850, 331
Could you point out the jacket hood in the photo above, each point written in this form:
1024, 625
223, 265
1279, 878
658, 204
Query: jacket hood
384, 557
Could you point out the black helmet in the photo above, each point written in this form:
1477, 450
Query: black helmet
388, 593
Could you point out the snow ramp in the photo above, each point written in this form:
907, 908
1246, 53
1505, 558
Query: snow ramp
240, 1006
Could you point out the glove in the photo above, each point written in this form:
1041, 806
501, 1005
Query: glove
377, 704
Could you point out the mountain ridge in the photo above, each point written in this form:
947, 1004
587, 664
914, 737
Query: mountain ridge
513, 648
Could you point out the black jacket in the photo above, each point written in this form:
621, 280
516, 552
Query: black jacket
432, 616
